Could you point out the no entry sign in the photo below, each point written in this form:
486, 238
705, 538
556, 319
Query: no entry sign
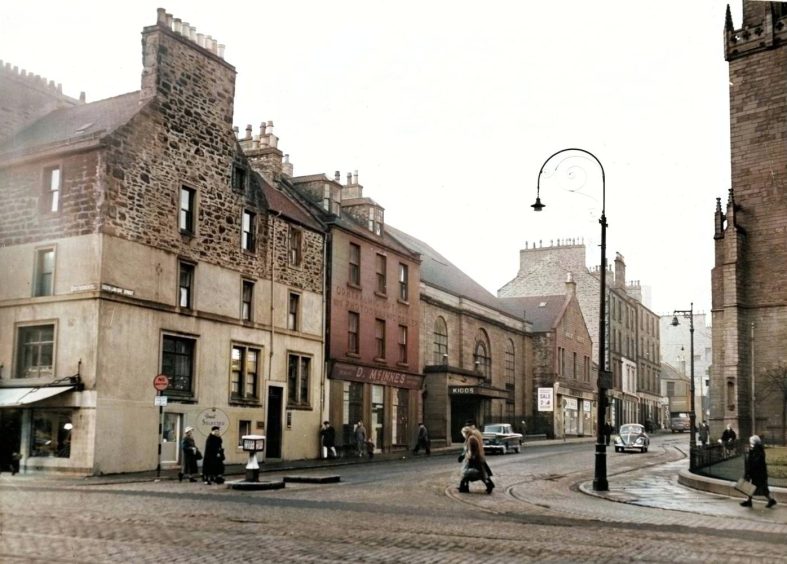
161, 382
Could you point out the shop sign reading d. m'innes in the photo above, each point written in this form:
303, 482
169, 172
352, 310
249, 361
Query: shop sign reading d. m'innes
342, 371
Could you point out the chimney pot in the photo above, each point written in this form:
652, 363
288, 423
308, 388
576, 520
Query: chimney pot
355, 177
161, 16
269, 128
201, 40
349, 178
337, 176
177, 26
220, 50
236, 129
248, 131
82, 97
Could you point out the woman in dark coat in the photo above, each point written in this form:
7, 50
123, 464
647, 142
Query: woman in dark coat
757, 471
213, 462
474, 466
189, 456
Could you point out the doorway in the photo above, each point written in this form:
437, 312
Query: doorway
462, 409
273, 423
10, 436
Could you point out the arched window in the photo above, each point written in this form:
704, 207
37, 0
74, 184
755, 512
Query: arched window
510, 364
483, 363
510, 370
440, 341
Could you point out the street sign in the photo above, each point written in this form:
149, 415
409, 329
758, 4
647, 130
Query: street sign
605, 379
161, 382
160, 401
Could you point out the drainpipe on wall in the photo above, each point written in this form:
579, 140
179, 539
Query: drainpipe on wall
273, 277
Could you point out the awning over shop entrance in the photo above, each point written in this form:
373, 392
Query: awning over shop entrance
14, 397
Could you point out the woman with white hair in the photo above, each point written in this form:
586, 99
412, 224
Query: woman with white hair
757, 471
189, 456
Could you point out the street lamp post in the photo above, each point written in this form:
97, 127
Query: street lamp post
600, 483
692, 415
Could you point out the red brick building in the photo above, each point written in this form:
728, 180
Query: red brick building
749, 290
562, 364
373, 316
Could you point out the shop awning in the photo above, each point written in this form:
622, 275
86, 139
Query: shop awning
13, 397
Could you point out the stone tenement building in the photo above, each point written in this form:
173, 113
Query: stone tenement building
143, 243
632, 329
749, 291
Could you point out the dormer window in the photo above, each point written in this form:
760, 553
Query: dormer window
330, 201
376, 220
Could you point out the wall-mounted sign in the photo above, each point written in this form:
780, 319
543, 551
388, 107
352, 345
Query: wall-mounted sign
342, 371
570, 403
161, 382
546, 399
212, 417
462, 390
160, 401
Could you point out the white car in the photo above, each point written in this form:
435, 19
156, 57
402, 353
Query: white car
632, 436
500, 437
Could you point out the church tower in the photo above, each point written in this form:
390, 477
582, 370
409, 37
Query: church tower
750, 272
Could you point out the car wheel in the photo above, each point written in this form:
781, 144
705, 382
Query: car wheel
617, 449
518, 449
644, 449
505, 450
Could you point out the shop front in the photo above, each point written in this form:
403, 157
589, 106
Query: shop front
386, 401
37, 425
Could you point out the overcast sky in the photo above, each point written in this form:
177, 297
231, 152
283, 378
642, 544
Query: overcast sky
448, 109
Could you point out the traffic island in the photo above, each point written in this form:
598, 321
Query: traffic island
245, 485
329, 479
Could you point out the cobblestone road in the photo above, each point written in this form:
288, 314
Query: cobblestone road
405, 511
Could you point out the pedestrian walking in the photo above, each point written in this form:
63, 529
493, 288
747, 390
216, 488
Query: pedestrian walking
360, 438
369, 448
328, 440
474, 466
704, 434
188, 461
728, 438
607, 432
213, 464
422, 441
757, 471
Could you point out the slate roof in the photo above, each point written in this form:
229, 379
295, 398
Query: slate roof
543, 312
75, 122
279, 201
438, 271
345, 221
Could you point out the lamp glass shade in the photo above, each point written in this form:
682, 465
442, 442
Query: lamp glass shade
538, 206
675, 321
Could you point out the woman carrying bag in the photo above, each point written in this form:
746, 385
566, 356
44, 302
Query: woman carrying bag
757, 472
